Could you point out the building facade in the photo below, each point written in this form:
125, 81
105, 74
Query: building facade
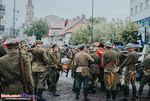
139, 11
29, 14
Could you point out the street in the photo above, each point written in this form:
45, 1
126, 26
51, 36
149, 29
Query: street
64, 88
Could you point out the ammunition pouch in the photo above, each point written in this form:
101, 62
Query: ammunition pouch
85, 72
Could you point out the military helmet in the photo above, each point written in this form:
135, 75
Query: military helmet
91, 49
82, 46
129, 45
108, 44
55, 45
101, 45
12, 41
39, 42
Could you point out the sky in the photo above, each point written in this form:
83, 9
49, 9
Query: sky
67, 9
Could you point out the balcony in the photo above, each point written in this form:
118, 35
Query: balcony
2, 10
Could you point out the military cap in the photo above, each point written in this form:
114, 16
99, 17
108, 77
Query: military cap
129, 45
47, 45
24, 45
101, 45
11, 41
82, 46
87, 46
108, 44
91, 49
39, 42
55, 45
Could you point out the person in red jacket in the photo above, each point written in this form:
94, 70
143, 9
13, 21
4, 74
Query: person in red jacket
101, 75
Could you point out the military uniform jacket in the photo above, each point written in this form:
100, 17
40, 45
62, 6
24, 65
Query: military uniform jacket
63, 52
82, 60
146, 64
39, 59
94, 65
109, 59
130, 62
10, 71
55, 59
2, 51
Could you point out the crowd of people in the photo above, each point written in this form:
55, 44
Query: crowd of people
89, 64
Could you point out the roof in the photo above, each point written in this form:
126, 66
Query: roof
60, 24
30, 3
75, 27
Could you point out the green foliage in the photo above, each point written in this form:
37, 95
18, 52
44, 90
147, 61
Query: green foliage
38, 28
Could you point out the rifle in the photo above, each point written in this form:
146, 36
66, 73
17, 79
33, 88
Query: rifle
23, 71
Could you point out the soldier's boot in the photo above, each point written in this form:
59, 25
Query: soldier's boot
40, 91
35, 91
140, 92
0, 91
90, 89
114, 93
134, 93
149, 93
54, 91
126, 93
86, 94
102, 86
74, 89
94, 87
108, 93
77, 93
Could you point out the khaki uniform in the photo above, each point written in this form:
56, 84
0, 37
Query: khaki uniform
63, 53
2, 51
39, 62
10, 71
109, 59
130, 72
55, 61
146, 76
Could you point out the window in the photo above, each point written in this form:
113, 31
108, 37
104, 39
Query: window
136, 9
147, 4
141, 6
131, 11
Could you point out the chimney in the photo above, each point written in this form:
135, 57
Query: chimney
66, 22
77, 17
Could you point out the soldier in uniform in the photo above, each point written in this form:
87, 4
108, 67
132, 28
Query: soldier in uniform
63, 52
130, 72
109, 60
94, 70
2, 53
22, 42
101, 74
55, 62
146, 76
24, 49
82, 60
11, 73
39, 63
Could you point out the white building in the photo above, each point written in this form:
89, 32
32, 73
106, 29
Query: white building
139, 11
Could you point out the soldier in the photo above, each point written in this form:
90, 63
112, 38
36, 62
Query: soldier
146, 76
87, 48
2, 53
55, 62
39, 63
22, 42
109, 60
10, 70
130, 72
48, 51
82, 60
63, 52
101, 74
24, 49
94, 70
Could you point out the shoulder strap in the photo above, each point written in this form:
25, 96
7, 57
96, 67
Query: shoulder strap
36, 53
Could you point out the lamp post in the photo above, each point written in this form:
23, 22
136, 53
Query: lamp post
14, 10
92, 21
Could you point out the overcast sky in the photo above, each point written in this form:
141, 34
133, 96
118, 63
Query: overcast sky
68, 9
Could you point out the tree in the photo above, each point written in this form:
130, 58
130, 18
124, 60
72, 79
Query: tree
38, 28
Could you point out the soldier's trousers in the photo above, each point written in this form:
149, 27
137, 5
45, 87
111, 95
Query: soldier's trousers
130, 77
38, 78
110, 80
144, 80
93, 78
80, 79
101, 74
54, 76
